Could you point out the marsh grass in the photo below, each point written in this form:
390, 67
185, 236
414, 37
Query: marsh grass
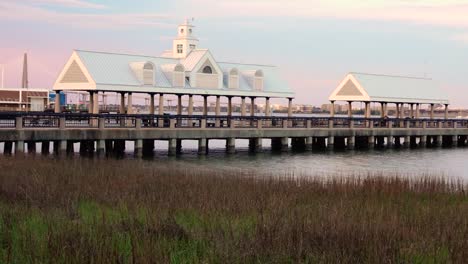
130, 211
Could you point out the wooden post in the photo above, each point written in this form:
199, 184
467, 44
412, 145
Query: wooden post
57, 106
252, 106
151, 110
179, 104
205, 105
161, 104
350, 109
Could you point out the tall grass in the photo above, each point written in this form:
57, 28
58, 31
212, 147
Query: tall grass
131, 211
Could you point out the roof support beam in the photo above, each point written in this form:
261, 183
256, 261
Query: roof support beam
383, 109
446, 111
190, 105
397, 110
432, 111
267, 106
57, 107
229, 110
332, 109
95, 103
179, 104
205, 105
367, 110
252, 106
350, 109
243, 106
151, 110
129, 104
91, 102
290, 107
122, 103
161, 104
218, 106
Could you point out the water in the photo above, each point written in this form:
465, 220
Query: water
435, 162
438, 162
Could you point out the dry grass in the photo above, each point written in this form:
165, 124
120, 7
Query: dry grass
130, 211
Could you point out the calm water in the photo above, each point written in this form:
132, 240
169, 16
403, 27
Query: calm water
443, 162
440, 162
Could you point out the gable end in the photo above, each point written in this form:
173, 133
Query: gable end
349, 89
74, 74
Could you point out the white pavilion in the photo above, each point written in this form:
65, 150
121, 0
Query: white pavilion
184, 70
384, 89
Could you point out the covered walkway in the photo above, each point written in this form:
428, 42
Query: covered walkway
385, 89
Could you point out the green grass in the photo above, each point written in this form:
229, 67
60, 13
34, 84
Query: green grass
126, 211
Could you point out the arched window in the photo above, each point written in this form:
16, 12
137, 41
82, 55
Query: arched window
148, 74
233, 81
178, 79
258, 80
207, 70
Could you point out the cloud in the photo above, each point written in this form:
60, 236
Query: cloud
67, 3
116, 21
463, 38
448, 13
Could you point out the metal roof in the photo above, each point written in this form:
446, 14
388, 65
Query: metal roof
390, 89
272, 81
192, 59
114, 72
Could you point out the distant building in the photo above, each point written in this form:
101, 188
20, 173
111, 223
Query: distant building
328, 107
20, 99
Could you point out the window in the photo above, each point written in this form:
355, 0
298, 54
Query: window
207, 70
148, 74
182, 30
178, 79
180, 48
233, 81
190, 30
258, 82
192, 46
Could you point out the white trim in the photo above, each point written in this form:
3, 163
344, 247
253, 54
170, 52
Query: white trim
364, 97
91, 85
199, 64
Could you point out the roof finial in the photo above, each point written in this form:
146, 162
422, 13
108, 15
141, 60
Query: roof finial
189, 20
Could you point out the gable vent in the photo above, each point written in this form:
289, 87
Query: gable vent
349, 89
74, 74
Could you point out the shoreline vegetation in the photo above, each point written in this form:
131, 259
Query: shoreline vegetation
133, 211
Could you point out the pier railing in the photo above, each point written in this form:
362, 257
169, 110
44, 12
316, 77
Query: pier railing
40, 120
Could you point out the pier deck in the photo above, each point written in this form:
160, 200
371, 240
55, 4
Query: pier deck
103, 133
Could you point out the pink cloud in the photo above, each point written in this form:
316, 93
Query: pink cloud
462, 38
68, 3
453, 15
10, 11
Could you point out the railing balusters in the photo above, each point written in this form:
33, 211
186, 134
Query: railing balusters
117, 121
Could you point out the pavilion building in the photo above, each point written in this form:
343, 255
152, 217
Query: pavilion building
184, 70
385, 89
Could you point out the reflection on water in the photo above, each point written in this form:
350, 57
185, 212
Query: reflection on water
439, 162
449, 162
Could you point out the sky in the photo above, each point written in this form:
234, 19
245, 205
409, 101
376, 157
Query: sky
314, 42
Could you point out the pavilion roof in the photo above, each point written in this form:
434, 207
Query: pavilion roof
365, 87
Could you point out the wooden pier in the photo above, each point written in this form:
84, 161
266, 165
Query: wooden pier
107, 133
